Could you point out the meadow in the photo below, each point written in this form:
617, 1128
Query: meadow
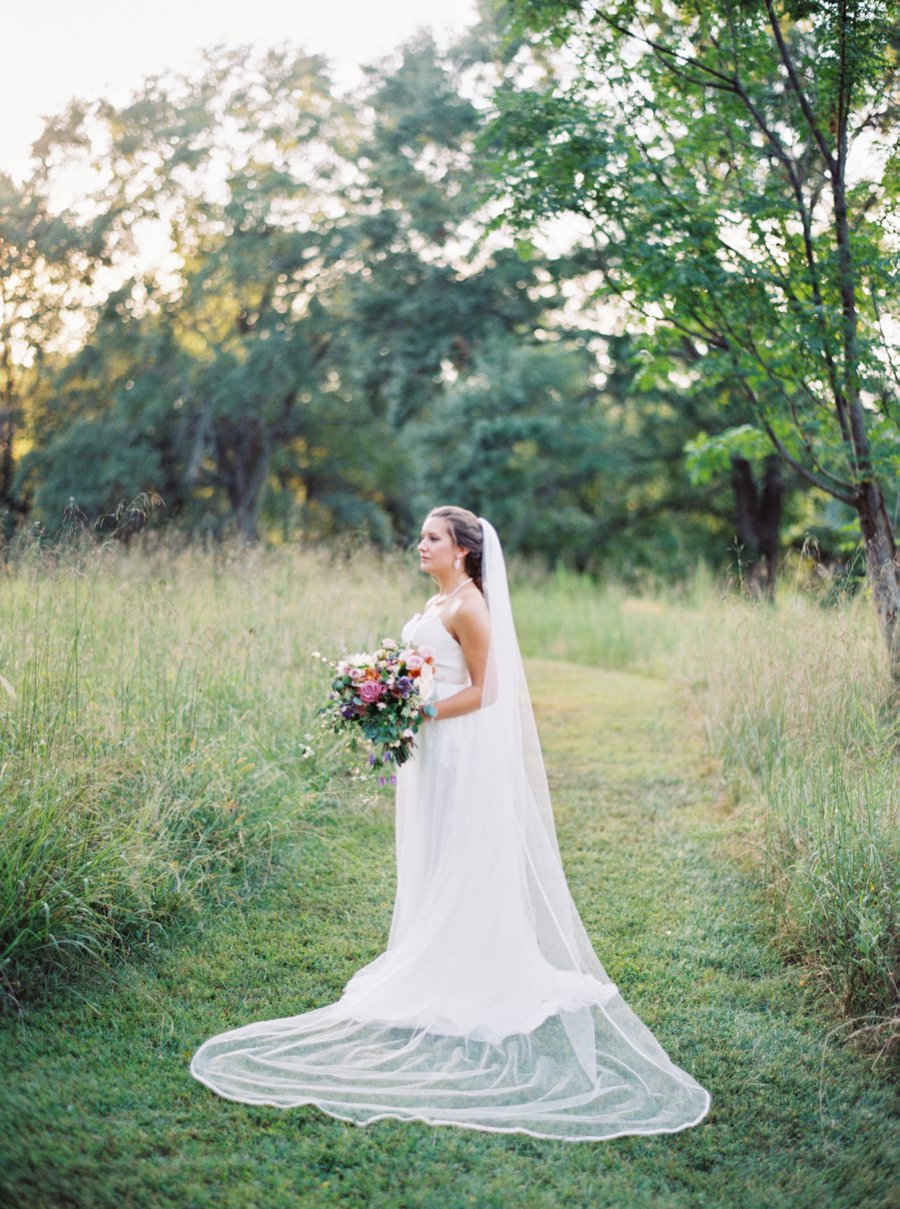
801, 716
181, 841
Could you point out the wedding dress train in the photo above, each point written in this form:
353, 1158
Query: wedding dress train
488, 1008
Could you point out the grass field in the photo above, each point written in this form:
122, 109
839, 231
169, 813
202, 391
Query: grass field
802, 717
158, 719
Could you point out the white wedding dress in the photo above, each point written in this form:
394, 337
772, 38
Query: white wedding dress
488, 1008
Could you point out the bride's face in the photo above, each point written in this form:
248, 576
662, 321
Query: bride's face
437, 549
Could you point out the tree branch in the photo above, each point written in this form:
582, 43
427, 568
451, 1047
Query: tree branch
737, 87
798, 87
665, 52
802, 470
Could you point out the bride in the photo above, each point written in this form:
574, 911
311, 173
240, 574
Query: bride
489, 1008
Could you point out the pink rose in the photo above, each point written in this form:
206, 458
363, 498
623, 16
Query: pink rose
414, 665
369, 691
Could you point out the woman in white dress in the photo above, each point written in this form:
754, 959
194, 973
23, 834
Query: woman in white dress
488, 1008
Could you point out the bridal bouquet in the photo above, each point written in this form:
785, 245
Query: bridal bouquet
380, 693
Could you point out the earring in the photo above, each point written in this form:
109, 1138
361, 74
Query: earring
457, 563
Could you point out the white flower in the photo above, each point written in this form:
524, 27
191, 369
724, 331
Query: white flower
389, 644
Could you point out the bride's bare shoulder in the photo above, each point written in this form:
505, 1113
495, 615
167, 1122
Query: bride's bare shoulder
472, 608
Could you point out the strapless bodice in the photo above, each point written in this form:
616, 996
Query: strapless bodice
427, 629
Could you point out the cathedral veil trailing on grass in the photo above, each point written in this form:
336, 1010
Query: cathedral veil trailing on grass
489, 1008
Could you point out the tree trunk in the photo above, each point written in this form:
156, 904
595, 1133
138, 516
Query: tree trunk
7, 438
246, 518
882, 566
243, 460
7, 432
758, 520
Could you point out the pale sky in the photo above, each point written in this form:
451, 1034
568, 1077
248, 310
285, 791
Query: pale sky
54, 50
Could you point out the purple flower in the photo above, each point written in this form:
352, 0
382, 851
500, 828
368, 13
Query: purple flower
372, 759
404, 685
348, 711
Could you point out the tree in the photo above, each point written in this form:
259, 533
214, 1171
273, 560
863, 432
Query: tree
577, 459
235, 170
728, 160
48, 261
318, 294
110, 423
420, 299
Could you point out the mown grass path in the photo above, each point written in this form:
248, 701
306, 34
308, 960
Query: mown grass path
99, 1110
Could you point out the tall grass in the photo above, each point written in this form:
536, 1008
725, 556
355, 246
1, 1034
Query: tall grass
156, 708
801, 712
566, 616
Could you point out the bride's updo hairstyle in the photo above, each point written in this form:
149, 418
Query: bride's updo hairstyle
465, 529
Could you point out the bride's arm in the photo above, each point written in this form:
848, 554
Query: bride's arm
471, 626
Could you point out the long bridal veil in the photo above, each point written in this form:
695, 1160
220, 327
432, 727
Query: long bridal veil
489, 1008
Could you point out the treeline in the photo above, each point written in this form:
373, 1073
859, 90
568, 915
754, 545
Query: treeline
284, 310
